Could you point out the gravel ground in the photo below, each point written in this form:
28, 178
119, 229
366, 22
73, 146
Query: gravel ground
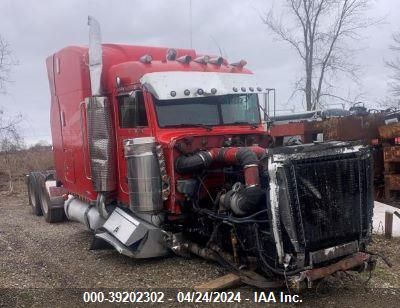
50, 265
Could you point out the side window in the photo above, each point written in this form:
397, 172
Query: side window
132, 112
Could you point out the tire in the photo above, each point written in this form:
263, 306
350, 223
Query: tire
33, 194
52, 208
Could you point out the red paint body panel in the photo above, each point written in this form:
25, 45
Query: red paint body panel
69, 80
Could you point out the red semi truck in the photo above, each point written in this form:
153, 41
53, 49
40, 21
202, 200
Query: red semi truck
161, 150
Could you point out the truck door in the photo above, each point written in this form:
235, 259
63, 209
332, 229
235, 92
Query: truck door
132, 123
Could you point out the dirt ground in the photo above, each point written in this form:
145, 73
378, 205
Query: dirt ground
50, 265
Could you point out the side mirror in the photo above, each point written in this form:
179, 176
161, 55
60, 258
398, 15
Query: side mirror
267, 102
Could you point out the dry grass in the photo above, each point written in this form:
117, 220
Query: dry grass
16, 165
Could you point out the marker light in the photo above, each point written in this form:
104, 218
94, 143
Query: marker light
184, 59
213, 90
173, 93
171, 54
259, 89
240, 64
243, 89
251, 89
186, 92
235, 89
217, 60
203, 59
146, 59
200, 91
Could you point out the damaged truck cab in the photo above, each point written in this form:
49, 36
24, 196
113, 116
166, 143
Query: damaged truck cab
162, 150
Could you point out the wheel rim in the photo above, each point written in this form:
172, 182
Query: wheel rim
45, 205
32, 195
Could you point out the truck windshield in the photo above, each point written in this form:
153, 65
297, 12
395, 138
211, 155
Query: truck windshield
210, 110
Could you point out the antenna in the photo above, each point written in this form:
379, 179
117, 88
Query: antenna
190, 24
218, 46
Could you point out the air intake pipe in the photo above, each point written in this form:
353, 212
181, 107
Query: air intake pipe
247, 157
144, 178
241, 200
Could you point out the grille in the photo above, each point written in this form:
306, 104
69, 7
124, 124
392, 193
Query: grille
330, 198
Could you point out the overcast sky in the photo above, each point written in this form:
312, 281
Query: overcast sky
37, 28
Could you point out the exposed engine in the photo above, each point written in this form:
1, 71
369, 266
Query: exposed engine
280, 210
301, 212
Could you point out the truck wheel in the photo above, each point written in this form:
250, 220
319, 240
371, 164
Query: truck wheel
34, 198
52, 208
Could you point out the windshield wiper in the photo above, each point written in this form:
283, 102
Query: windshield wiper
207, 127
252, 125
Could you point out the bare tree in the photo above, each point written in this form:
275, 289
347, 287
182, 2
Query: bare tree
10, 142
7, 61
10, 139
394, 65
41, 145
319, 31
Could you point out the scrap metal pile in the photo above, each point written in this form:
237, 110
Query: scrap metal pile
379, 129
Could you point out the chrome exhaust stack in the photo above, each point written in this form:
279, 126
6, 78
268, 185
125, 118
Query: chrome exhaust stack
95, 56
99, 124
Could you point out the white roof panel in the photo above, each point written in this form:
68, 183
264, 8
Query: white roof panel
161, 84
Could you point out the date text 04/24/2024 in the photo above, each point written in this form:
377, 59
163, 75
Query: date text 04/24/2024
190, 297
